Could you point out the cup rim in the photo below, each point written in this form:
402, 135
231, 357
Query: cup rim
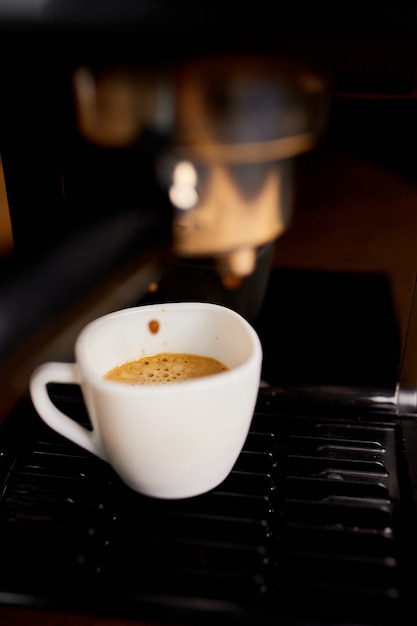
227, 377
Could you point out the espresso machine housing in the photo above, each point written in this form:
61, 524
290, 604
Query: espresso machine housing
138, 112
186, 134
149, 151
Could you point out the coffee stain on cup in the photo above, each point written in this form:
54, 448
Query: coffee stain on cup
153, 326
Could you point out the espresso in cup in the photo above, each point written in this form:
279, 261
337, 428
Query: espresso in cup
174, 440
165, 367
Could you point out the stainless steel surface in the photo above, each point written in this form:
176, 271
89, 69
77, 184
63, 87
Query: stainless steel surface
406, 392
232, 125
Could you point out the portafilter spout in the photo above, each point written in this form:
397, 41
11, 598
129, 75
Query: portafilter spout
237, 125
232, 126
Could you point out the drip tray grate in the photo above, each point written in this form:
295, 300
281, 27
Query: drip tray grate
313, 523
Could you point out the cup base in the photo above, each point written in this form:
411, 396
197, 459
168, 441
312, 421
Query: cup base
178, 491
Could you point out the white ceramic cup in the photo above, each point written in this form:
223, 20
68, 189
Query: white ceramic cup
172, 440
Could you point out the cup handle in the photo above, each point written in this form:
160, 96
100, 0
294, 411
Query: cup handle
57, 420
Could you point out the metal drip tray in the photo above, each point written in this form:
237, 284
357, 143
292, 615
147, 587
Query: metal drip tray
315, 522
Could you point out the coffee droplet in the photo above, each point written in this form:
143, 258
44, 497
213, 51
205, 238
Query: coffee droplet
232, 282
153, 287
153, 326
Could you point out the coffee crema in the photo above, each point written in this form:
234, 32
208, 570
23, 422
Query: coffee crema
165, 367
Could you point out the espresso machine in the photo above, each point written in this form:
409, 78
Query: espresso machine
177, 137
151, 153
